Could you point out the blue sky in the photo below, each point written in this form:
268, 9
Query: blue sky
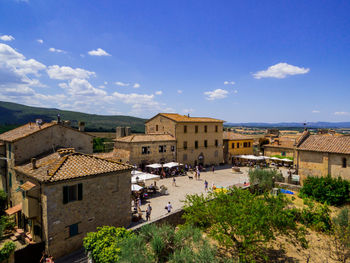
241, 61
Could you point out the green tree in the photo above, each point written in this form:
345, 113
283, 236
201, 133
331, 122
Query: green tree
242, 220
264, 178
104, 245
6, 250
340, 245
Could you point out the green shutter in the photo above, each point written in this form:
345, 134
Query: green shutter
65, 194
80, 191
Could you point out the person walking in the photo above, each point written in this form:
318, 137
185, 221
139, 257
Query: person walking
174, 181
169, 207
148, 212
213, 168
206, 185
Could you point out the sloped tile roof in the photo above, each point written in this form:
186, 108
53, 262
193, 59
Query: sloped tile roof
54, 167
326, 143
24, 131
236, 136
283, 143
146, 138
184, 118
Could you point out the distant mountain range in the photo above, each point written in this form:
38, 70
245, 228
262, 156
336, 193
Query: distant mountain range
317, 125
12, 114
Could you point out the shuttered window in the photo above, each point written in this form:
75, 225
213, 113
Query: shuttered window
72, 193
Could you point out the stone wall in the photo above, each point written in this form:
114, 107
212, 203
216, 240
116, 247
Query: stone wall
270, 151
164, 125
48, 139
106, 201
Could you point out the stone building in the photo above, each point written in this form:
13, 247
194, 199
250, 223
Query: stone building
236, 144
198, 140
280, 146
142, 149
58, 195
320, 155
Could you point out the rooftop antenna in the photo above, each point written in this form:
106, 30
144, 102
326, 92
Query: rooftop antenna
305, 128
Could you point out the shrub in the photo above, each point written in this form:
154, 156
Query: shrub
104, 245
3, 202
264, 178
334, 191
340, 249
6, 250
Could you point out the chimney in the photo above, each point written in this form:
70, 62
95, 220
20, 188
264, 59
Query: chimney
127, 131
33, 161
81, 126
58, 118
122, 132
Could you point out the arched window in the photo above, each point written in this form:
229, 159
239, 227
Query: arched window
344, 162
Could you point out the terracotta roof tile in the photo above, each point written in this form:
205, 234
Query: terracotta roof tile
27, 186
184, 118
326, 143
24, 131
236, 136
74, 165
146, 138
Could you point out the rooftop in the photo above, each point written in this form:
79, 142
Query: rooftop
24, 131
146, 138
236, 136
282, 143
184, 118
326, 143
55, 167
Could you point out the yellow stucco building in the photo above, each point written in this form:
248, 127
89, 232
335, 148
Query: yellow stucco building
236, 144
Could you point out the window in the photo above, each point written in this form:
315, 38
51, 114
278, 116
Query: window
196, 144
283, 153
344, 162
216, 154
185, 145
233, 145
185, 129
216, 128
237, 145
248, 144
184, 157
245, 145
216, 143
156, 127
205, 128
172, 148
196, 129
145, 150
72, 193
10, 150
162, 148
205, 143
73, 230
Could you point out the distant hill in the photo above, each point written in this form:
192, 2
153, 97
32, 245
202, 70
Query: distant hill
318, 125
13, 114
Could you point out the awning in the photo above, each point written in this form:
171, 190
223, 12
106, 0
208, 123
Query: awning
14, 209
27, 186
171, 164
154, 165
135, 172
135, 187
144, 177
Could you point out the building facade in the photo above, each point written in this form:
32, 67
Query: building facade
236, 144
322, 155
199, 141
281, 147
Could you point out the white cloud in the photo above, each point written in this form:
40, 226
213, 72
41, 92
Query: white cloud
280, 71
179, 91
81, 87
315, 111
56, 50
229, 83
122, 84
40, 41
105, 82
67, 73
159, 92
341, 113
98, 52
216, 94
7, 38
235, 91
136, 85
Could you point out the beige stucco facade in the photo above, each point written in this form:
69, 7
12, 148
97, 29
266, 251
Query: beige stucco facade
204, 140
311, 163
283, 151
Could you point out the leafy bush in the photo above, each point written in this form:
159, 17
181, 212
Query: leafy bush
6, 223
340, 250
6, 250
334, 191
315, 216
104, 245
264, 178
3, 202
243, 221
